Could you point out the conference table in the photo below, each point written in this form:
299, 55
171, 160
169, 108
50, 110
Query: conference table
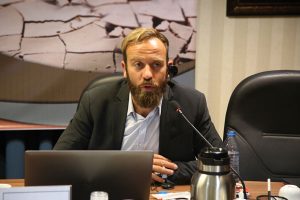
255, 188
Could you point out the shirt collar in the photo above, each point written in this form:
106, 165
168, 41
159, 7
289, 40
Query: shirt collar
131, 108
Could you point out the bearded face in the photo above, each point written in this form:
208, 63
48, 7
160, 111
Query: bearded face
147, 98
146, 71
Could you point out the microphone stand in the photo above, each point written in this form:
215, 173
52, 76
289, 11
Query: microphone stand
242, 182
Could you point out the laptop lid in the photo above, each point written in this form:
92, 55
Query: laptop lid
122, 174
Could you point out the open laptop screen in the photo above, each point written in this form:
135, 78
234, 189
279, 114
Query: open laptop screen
122, 174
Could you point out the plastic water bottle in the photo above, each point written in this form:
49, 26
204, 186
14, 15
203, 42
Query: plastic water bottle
230, 145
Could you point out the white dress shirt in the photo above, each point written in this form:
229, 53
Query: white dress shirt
141, 133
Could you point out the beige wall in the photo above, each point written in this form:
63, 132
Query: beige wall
230, 49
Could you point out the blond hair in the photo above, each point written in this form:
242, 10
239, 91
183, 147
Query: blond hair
139, 35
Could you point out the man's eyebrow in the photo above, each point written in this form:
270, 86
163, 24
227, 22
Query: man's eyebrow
159, 60
135, 59
141, 59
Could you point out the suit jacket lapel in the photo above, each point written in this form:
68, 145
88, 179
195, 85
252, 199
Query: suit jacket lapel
166, 111
117, 108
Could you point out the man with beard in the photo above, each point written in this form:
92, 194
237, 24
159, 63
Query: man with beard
135, 113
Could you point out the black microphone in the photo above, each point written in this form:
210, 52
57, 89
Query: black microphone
178, 109
173, 70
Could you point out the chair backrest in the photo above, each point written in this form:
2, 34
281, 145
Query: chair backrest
100, 81
264, 109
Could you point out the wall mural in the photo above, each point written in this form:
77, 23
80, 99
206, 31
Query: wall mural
51, 49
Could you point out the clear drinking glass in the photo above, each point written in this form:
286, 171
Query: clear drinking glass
99, 195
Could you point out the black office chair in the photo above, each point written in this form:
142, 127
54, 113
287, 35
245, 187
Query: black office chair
264, 110
102, 80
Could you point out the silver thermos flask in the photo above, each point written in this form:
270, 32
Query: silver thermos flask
213, 180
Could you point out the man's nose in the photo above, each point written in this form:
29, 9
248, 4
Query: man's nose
147, 73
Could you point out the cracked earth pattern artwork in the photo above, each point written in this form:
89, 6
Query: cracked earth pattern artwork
85, 35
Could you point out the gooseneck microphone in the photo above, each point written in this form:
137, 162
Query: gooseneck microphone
178, 109
176, 105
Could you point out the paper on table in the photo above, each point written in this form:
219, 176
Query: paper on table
4, 185
173, 195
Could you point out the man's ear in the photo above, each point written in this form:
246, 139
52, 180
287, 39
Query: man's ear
124, 69
170, 62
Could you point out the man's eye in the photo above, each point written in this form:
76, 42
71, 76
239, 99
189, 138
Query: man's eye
157, 64
138, 65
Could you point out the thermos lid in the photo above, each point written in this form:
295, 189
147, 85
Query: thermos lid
214, 156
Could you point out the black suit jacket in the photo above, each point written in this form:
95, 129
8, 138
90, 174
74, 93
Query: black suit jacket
99, 123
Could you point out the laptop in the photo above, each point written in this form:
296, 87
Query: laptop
122, 174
